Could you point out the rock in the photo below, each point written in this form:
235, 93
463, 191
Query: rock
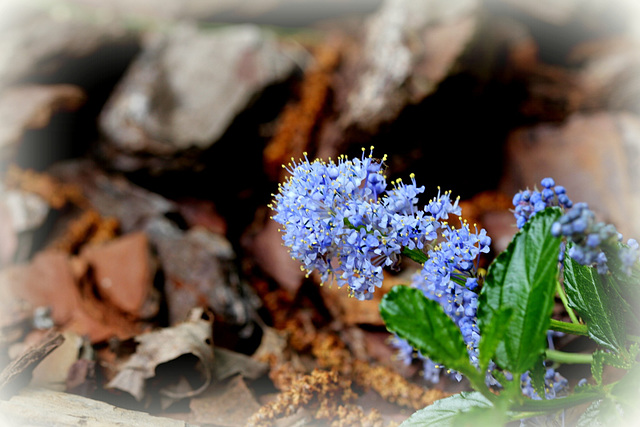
30, 107
37, 40
610, 74
408, 49
185, 89
546, 11
595, 156
199, 270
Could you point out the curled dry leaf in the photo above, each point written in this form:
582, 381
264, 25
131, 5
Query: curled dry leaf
193, 337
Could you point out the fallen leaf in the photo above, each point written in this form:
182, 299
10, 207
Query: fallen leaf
192, 337
122, 270
56, 280
229, 363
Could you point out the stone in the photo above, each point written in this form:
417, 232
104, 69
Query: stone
610, 74
184, 90
38, 40
409, 47
31, 107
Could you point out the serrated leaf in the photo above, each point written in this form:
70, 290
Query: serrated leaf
589, 294
444, 411
597, 366
626, 286
491, 335
591, 416
424, 324
523, 278
620, 361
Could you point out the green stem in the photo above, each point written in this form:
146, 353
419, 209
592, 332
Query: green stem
569, 328
565, 302
573, 358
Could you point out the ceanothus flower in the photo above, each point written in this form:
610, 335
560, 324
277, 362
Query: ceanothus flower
449, 277
339, 218
527, 203
579, 226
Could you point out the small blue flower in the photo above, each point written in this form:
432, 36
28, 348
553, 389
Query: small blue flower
548, 182
630, 255
527, 203
449, 277
554, 384
579, 226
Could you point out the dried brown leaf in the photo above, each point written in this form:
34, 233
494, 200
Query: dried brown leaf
193, 337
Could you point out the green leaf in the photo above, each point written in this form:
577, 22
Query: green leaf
591, 417
444, 411
591, 296
620, 361
424, 324
492, 335
481, 416
626, 286
523, 278
536, 373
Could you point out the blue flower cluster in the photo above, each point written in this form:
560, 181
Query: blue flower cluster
528, 203
340, 219
450, 277
588, 237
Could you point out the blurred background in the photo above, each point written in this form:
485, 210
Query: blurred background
169, 121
